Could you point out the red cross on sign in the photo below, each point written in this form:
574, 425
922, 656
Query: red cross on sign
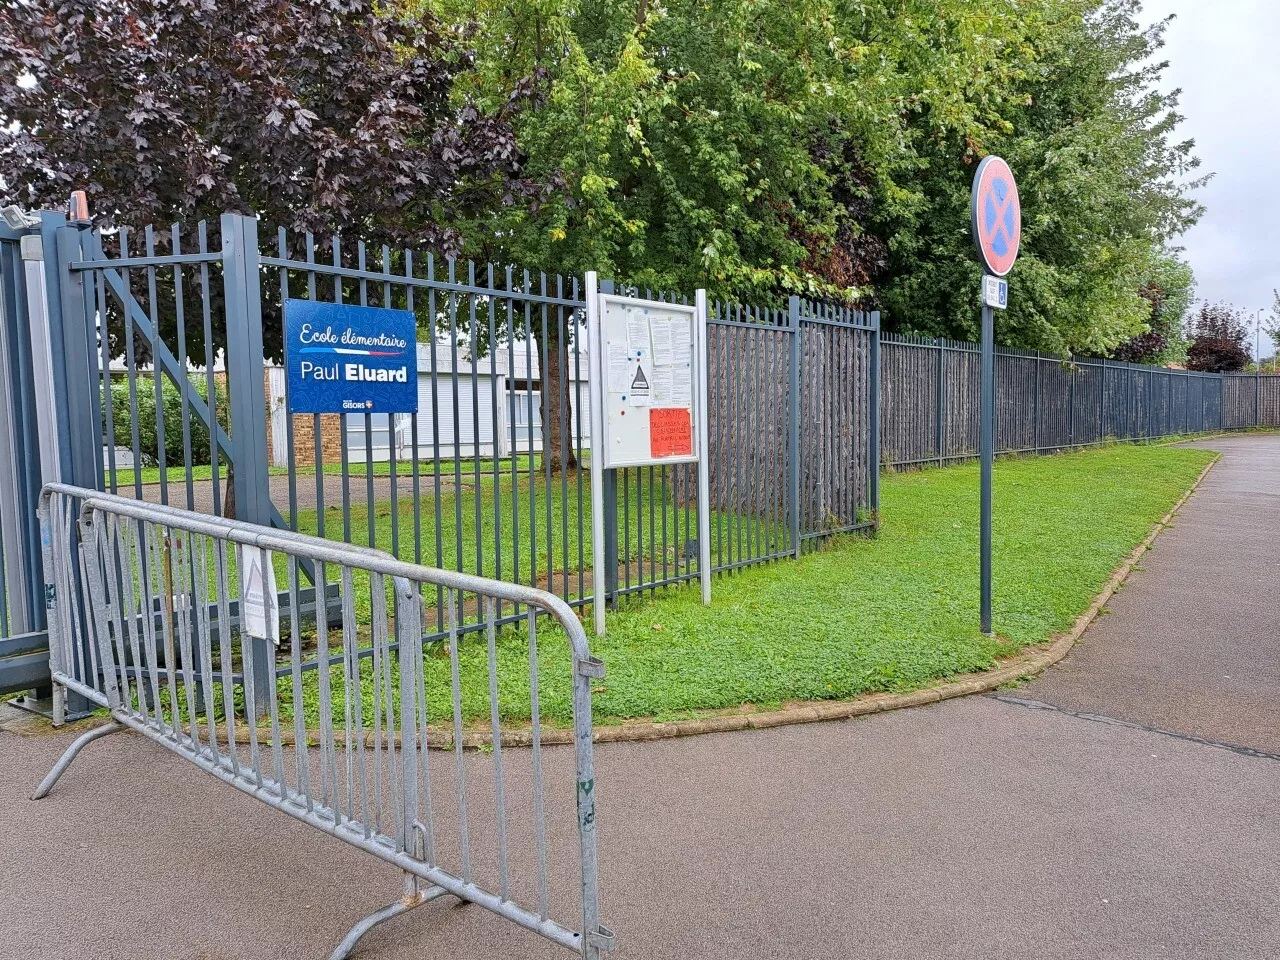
996, 215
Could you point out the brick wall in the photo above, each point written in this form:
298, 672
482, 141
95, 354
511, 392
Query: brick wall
304, 446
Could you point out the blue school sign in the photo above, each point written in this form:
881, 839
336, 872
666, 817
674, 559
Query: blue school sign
349, 359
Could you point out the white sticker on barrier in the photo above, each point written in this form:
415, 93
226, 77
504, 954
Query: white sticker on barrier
259, 611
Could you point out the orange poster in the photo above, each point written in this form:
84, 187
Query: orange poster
670, 432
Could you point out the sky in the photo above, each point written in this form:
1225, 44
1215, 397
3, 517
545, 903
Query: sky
1225, 56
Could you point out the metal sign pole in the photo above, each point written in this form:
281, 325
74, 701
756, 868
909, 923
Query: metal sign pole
703, 411
596, 372
988, 455
995, 217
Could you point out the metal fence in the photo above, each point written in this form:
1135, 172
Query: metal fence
488, 336
159, 345
150, 608
165, 342
930, 401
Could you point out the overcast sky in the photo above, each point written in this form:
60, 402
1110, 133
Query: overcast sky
1225, 56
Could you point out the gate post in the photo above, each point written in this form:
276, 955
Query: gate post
610, 480
245, 372
48, 382
82, 446
1071, 402
80, 443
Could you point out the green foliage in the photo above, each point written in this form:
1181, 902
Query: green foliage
1271, 325
686, 132
1102, 180
759, 147
1168, 291
144, 400
754, 147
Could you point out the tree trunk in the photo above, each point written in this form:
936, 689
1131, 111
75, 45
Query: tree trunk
557, 407
229, 493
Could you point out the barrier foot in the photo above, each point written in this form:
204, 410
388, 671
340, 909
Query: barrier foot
72, 752
403, 905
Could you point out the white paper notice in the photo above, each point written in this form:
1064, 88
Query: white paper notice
619, 368
259, 612
641, 385
638, 332
681, 387
660, 334
663, 386
681, 343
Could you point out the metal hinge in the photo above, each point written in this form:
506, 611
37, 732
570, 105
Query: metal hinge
602, 939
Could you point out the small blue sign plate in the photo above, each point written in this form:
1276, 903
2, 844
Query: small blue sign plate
349, 359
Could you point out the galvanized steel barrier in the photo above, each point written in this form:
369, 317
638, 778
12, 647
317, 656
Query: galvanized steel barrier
147, 618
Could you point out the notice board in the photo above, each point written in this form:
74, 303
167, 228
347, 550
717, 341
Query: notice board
648, 359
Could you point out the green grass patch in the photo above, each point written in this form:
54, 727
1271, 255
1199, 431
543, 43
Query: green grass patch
891, 614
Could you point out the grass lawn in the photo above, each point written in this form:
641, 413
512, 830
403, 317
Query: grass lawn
891, 614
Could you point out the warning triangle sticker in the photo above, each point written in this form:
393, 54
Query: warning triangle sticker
641, 383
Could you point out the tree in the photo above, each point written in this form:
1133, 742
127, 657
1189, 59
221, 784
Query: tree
1272, 326
1168, 291
317, 115
826, 147
687, 135
320, 115
1103, 177
1219, 339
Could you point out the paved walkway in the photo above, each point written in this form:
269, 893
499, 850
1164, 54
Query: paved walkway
977, 828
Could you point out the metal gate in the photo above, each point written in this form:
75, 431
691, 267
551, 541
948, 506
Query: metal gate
163, 603
153, 384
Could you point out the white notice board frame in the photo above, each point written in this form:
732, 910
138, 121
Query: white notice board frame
618, 443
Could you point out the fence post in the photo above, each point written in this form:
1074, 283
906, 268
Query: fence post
874, 420
793, 426
1071, 402
80, 442
609, 479
1035, 407
940, 408
245, 392
1102, 401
